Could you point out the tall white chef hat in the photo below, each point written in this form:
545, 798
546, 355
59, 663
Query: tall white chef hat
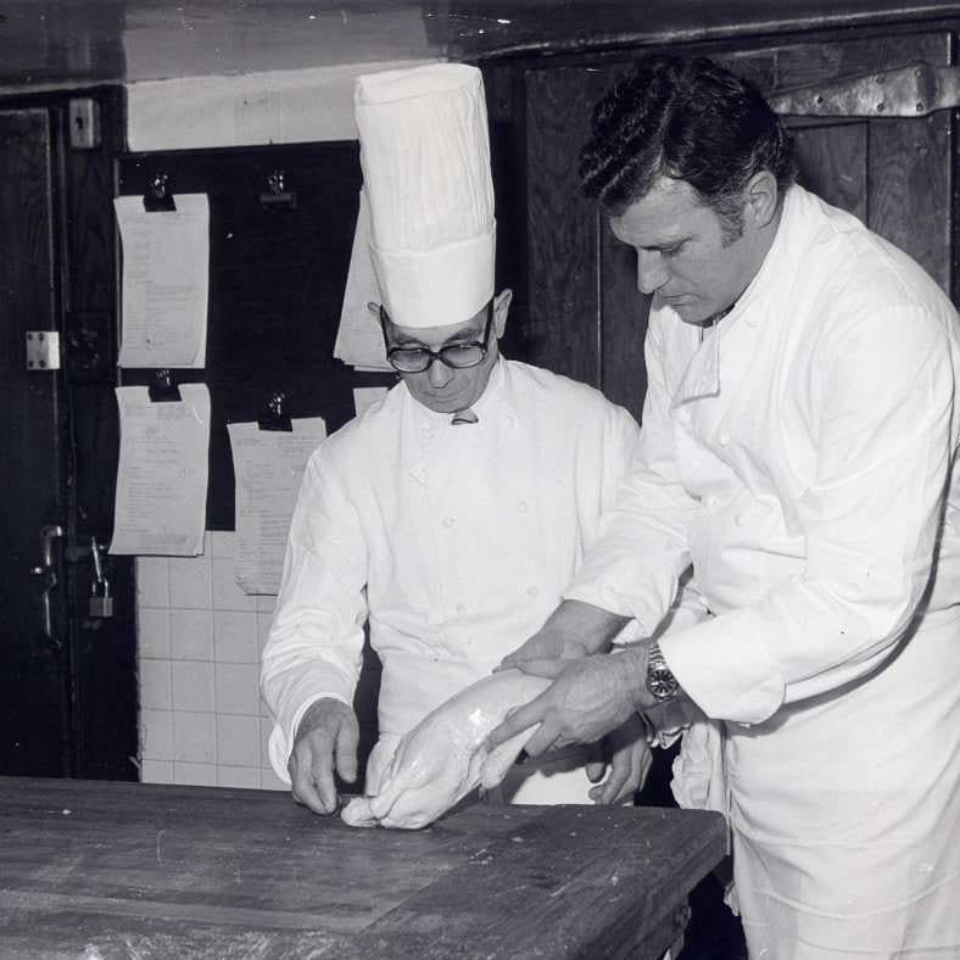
425, 155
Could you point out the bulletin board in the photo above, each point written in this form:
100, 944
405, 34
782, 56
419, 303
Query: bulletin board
281, 228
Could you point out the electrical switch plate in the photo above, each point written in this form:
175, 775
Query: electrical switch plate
43, 350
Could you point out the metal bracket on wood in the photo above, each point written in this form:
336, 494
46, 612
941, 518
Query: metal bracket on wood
914, 91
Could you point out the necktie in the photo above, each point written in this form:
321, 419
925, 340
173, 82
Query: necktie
464, 416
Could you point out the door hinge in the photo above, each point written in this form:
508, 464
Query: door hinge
43, 350
914, 91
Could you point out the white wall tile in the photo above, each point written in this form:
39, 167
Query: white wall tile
156, 734
227, 594
266, 602
190, 583
235, 637
266, 728
200, 640
153, 582
222, 543
195, 774
194, 737
153, 633
155, 685
156, 771
191, 634
193, 686
270, 781
242, 777
237, 688
238, 741
264, 620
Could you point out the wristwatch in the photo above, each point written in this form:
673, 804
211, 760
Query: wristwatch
661, 683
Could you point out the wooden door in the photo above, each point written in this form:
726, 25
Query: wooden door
33, 668
68, 687
586, 317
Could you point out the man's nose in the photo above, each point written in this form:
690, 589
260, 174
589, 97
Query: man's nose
439, 373
652, 273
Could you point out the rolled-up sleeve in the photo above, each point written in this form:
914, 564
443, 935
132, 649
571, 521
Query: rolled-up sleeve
884, 404
315, 644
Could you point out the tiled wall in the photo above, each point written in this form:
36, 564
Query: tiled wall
200, 637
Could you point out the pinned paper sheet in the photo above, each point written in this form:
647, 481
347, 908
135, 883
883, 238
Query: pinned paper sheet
269, 466
364, 397
166, 266
161, 495
359, 337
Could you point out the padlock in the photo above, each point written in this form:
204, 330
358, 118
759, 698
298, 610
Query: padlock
101, 606
101, 603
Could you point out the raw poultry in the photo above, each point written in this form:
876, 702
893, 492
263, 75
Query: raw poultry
444, 757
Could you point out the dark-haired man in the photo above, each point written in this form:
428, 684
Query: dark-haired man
798, 449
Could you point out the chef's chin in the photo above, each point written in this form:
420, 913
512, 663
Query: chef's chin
440, 404
687, 312
695, 314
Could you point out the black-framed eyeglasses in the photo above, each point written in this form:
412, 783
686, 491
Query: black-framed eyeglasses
459, 356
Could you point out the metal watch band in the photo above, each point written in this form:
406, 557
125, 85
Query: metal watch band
661, 683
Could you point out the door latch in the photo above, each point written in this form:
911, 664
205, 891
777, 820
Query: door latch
48, 572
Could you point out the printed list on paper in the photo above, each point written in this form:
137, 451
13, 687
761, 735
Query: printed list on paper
166, 266
269, 466
162, 475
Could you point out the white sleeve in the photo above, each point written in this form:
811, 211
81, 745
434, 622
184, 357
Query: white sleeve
315, 644
871, 519
634, 566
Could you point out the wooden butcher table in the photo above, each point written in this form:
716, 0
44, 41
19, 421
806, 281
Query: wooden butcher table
95, 871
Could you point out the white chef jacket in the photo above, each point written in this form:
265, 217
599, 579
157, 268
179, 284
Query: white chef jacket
455, 540
802, 457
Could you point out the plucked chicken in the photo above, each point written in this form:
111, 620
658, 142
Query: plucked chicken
444, 757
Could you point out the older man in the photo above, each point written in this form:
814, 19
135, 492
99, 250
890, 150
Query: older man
452, 514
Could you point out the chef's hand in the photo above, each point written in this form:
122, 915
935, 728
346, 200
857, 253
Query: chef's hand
575, 629
326, 740
588, 698
630, 759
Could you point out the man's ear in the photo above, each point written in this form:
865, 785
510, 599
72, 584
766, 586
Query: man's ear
501, 309
761, 197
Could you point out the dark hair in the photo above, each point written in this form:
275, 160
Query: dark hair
688, 119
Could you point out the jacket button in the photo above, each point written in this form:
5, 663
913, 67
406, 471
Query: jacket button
532, 591
448, 522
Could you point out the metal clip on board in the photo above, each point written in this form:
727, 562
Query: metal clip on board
157, 197
164, 390
275, 418
276, 196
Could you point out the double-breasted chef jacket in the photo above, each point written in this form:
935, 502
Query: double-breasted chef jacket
456, 541
802, 456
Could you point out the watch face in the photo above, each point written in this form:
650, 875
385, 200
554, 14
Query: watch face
661, 683
662, 686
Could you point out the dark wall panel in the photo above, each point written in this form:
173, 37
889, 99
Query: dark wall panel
277, 276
